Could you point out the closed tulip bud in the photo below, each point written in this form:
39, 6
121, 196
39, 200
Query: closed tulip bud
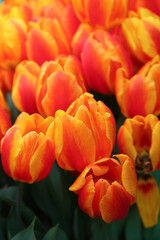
60, 83
139, 95
137, 28
101, 56
12, 41
27, 149
84, 133
107, 188
106, 14
24, 86
46, 40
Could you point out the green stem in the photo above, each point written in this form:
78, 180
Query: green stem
19, 204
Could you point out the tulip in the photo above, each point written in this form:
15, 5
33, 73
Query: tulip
24, 86
27, 149
64, 13
106, 14
107, 188
46, 40
139, 138
84, 133
139, 27
101, 56
12, 42
140, 94
60, 82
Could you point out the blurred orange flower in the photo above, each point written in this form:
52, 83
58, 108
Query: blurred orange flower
139, 138
101, 56
140, 94
106, 14
24, 86
60, 82
107, 188
84, 133
46, 40
27, 150
12, 41
137, 28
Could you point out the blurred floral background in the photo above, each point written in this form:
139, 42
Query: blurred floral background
79, 119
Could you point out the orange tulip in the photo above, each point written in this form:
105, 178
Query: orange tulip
140, 94
106, 14
84, 133
107, 188
65, 14
24, 86
60, 82
27, 149
137, 28
101, 56
46, 40
12, 42
139, 138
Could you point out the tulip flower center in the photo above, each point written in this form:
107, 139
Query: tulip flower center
143, 162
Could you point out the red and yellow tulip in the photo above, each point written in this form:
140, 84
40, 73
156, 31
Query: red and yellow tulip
27, 150
107, 188
106, 14
101, 56
139, 138
84, 133
137, 28
24, 86
46, 40
140, 94
12, 41
60, 83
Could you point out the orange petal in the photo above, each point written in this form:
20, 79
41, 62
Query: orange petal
115, 204
129, 176
86, 195
11, 146
148, 199
155, 150
74, 149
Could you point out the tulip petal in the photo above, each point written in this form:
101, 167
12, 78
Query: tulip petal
115, 204
129, 177
86, 195
30, 143
155, 150
101, 187
42, 161
78, 148
148, 199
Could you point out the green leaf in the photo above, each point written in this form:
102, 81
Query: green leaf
11, 224
134, 226
27, 234
55, 233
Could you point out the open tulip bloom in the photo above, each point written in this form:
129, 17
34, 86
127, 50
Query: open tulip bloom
80, 119
139, 138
